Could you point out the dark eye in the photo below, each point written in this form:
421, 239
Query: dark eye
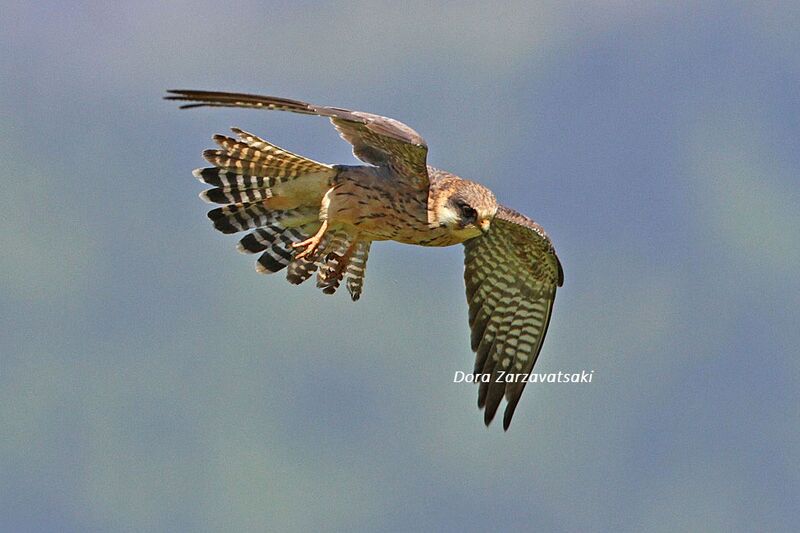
468, 213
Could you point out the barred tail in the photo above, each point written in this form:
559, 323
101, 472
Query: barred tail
345, 257
356, 269
277, 194
250, 169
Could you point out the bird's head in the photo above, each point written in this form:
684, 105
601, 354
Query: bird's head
466, 208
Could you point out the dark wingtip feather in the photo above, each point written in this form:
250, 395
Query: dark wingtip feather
185, 94
510, 408
493, 399
488, 416
482, 390
508, 415
172, 94
181, 95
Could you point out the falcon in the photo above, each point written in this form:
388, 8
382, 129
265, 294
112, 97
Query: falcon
309, 217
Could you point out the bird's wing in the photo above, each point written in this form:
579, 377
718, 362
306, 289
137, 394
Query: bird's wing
511, 274
376, 140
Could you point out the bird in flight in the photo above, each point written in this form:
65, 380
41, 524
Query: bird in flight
309, 217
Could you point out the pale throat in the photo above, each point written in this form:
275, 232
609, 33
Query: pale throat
448, 218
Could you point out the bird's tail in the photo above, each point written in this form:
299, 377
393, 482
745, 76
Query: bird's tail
277, 194
250, 169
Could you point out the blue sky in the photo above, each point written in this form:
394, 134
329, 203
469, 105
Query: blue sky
150, 380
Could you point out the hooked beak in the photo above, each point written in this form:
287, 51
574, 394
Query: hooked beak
484, 225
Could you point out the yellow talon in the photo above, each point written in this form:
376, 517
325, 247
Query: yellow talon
311, 243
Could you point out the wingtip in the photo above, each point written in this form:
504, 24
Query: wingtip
176, 94
180, 93
488, 416
509, 413
183, 95
560, 272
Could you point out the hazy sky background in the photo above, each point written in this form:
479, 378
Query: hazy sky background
150, 380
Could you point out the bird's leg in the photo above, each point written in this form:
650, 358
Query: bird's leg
310, 244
